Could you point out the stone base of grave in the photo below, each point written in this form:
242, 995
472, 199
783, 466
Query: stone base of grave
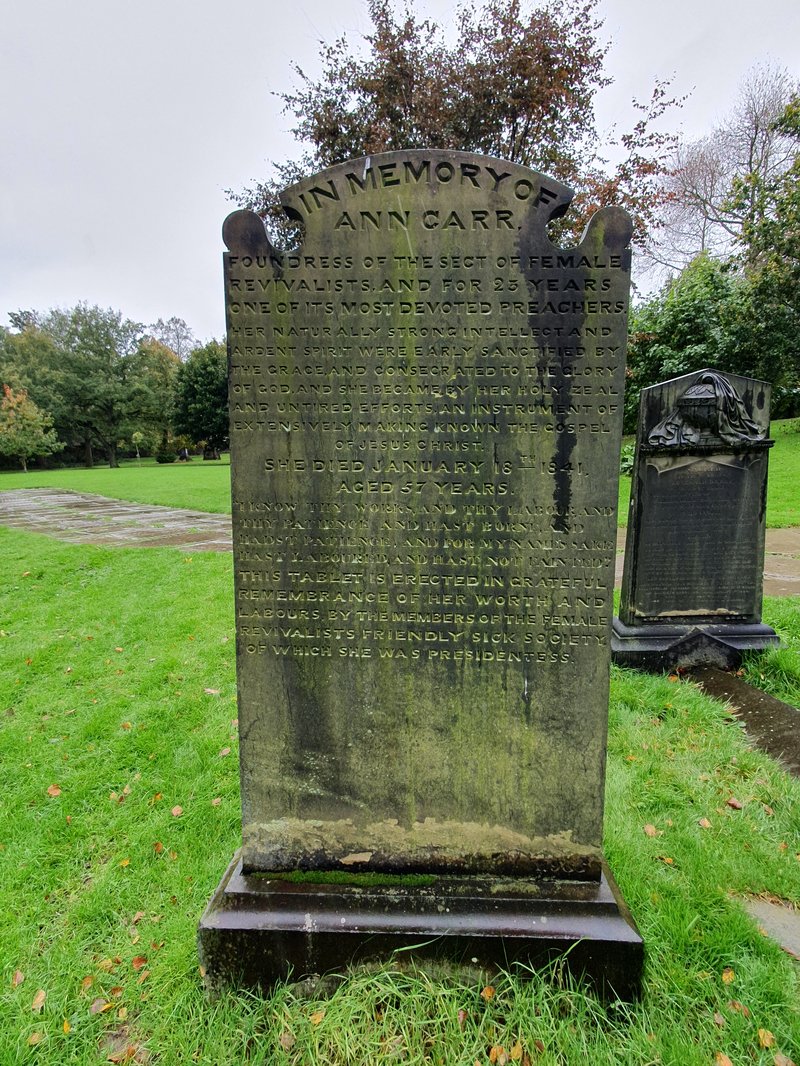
259, 929
658, 647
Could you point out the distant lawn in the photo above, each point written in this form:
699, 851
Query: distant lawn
199, 485
119, 812
205, 486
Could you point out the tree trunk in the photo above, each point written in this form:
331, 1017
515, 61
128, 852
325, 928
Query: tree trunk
88, 457
24, 464
111, 452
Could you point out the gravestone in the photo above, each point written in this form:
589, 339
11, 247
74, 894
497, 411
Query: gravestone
426, 401
694, 553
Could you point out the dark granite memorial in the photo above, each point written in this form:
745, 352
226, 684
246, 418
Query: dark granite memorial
694, 554
426, 402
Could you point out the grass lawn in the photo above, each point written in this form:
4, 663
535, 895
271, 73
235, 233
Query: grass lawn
119, 813
205, 486
199, 485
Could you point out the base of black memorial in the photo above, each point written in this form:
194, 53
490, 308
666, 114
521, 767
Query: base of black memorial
657, 647
259, 929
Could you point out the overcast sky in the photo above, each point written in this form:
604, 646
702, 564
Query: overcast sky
124, 123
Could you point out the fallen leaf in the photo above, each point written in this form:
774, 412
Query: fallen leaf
125, 862
650, 830
100, 1006
125, 725
117, 649
138, 917
317, 1017
211, 691
87, 983
721, 1059
223, 752
719, 1020
665, 858
782, 1060
216, 801
138, 962
728, 975
143, 977
122, 1013
673, 678
38, 1001
516, 1052
734, 803
704, 823
462, 1017
18, 978
176, 812
767, 809
766, 1038
488, 993
158, 847
287, 1040
116, 991
539, 1045
66, 1026
34, 1039
53, 790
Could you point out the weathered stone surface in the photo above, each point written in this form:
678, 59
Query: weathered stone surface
426, 413
256, 928
694, 553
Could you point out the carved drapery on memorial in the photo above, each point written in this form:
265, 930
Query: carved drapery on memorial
426, 402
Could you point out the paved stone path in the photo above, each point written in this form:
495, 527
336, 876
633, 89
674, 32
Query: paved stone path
83, 518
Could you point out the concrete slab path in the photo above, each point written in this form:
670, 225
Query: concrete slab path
82, 518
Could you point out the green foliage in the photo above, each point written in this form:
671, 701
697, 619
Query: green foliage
678, 330
25, 431
518, 83
201, 396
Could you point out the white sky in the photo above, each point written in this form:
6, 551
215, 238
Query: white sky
124, 122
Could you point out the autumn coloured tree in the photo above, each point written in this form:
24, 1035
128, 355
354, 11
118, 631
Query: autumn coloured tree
25, 431
518, 83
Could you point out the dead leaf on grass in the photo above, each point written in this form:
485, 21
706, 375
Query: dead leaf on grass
34, 1038
721, 1059
734, 1004
176, 812
223, 752
719, 1020
53, 790
766, 1038
138, 962
782, 1060
651, 831
317, 1017
704, 823
38, 1001
734, 803
488, 993
18, 978
728, 975
100, 1005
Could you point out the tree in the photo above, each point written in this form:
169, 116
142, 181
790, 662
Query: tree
201, 397
678, 330
25, 431
515, 84
764, 323
713, 184
154, 368
175, 335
